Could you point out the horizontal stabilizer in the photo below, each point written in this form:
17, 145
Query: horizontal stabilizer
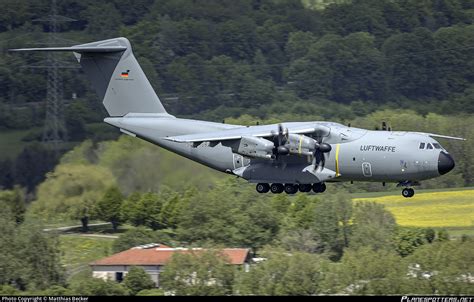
78, 49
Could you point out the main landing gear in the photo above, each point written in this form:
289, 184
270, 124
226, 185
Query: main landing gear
277, 188
408, 192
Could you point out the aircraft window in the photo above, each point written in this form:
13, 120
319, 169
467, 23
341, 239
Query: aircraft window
437, 146
422, 145
429, 146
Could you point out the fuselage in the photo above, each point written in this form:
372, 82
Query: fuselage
356, 155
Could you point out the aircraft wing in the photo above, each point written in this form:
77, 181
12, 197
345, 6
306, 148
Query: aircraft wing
444, 136
256, 131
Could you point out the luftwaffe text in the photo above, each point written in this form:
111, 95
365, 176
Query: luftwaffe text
377, 148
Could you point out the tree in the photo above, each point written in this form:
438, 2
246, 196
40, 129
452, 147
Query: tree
98, 287
15, 201
71, 192
137, 279
283, 274
39, 252
109, 207
27, 250
151, 292
442, 267
373, 226
9, 262
6, 174
407, 240
144, 210
133, 237
32, 164
365, 271
340, 69
412, 74
331, 223
228, 214
198, 273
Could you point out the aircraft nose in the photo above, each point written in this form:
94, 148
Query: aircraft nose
445, 163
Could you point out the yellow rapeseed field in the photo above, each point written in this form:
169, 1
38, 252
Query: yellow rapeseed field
437, 209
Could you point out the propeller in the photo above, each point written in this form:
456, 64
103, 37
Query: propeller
280, 141
319, 159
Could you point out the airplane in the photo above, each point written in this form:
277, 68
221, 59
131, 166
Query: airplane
286, 157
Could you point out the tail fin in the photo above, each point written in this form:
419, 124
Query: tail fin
116, 76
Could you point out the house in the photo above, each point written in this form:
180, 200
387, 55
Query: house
152, 258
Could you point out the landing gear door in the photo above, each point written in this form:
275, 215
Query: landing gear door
366, 169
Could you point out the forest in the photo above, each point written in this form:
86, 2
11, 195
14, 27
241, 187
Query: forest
409, 63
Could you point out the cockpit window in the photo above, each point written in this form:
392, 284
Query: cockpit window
422, 145
437, 146
429, 146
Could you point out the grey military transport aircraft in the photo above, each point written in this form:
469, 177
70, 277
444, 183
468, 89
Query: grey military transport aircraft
290, 157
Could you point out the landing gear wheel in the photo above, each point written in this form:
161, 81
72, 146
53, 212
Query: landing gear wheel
323, 188
305, 187
408, 192
291, 189
276, 188
262, 188
319, 187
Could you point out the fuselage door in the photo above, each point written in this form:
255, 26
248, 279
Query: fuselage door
366, 169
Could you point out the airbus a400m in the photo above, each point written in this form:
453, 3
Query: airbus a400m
289, 157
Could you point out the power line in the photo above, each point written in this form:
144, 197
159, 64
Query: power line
54, 132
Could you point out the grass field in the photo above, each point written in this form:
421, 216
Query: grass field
453, 210
78, 251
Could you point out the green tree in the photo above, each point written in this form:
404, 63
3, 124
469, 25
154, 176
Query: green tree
27, 250
373, 226
133, 237
7, 177
407, 240
98, 287
39, 252
198, 273
9, 262
71, 192
283, 274
144, 210
109, 207
442, 267
15, 201
228, 214
137, 279
56, 290
412, 74
442, 235
365, 271
8, 290
32, 164
151, 292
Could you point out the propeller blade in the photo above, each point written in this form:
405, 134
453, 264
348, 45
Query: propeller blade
279, 142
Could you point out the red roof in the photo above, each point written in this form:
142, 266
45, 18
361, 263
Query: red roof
161, 255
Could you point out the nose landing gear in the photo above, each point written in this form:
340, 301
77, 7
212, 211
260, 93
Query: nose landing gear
408, 192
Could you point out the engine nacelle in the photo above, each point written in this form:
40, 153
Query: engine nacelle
252, 147
301, 144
